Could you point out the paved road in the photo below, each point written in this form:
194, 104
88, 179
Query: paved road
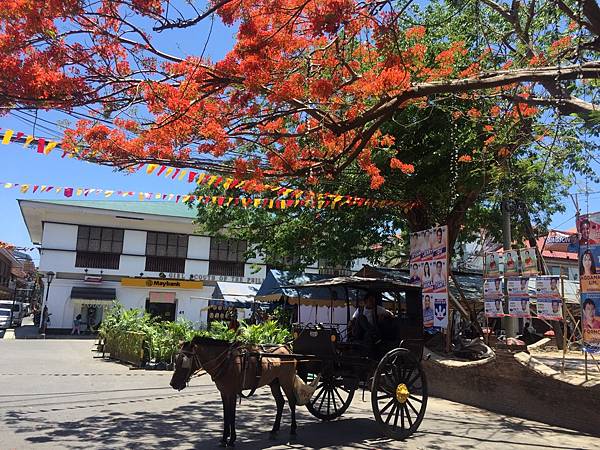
56, 396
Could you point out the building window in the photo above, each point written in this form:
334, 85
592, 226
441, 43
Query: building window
227, 257
98, 247
337, 270
166, 252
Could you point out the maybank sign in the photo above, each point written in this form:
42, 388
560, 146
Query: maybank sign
161, 283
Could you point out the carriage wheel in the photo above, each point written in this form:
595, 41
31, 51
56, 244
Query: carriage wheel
399, 393
331, 398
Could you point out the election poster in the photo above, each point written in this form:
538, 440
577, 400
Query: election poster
491, 265
492, 287
493, 307
549, 308
588, 227
528, 259
511, 263
547, 286
429, 269
519, 307
517, 286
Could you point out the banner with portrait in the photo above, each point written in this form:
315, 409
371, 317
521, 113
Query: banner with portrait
589, 267
494, 307
491, 264
517, 286
511, 263
588, 227
528, 261
549, 308
429, 269
519, 307
492, 288
590, 321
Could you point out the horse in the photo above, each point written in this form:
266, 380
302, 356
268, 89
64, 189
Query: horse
234, 368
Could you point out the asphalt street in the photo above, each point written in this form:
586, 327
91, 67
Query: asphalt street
55, 395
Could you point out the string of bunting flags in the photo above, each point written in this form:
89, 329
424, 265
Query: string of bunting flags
9, 246
45, 147
318, 202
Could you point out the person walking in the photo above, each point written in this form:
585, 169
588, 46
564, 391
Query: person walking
76, 325
45, 319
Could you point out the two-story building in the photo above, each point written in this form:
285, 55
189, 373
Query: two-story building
146, 255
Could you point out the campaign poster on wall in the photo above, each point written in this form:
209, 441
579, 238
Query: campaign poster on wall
492, 287
429, 268
511, 263
549, 308
491, 265
517, 286
528, 258
590, 321
494, 307
519, 307
589, 267
588, 226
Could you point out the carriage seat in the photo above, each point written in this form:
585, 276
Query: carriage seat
318, 340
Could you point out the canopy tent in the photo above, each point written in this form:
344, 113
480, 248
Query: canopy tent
237, 295
281, 285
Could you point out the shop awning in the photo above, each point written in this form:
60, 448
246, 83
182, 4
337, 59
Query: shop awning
93, 296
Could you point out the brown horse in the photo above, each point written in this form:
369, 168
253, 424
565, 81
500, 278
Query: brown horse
232, 373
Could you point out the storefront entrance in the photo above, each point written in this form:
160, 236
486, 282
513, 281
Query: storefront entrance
162, 305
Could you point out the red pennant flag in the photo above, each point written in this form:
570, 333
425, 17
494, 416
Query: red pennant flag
35, 188
289, 203
161, 170
236, 201
177, 198
234, 183
20, 134
327, 203
41, 145
175, 174
192, 176
68, 192
220, 201
140, 166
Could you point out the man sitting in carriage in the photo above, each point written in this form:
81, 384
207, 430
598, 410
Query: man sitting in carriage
365, 327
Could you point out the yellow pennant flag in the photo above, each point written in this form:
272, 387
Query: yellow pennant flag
211, 180
282, 204
181, 175
141, 196
320, 203
8, 185
28, 141
271, 204
158, 196
43, 188
108, 193
79, 191
229, 200
214, 200
200, 178
169, 171
24, 188
257, 202
227, 183
49, 147
7, 137
185, 198
151, 168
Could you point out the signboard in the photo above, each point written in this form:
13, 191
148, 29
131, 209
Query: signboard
547, 286
161, 283
494, 307
492, 263
493, 297
429, 268
559, 241
492, 287
549, 308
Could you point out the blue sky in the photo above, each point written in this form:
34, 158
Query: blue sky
27, 166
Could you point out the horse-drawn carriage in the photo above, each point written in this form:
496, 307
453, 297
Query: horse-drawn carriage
330, 363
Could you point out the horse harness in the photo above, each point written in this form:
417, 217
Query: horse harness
246, 356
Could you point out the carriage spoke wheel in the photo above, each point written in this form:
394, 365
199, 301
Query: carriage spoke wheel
331, 398
399, 394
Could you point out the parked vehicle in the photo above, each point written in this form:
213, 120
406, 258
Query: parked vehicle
5, 315
17, 309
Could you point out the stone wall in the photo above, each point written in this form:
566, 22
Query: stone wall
518, 385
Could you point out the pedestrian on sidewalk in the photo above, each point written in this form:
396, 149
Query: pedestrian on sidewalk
45, 320
76, 325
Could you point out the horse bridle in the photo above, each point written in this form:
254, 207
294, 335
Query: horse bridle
189, 357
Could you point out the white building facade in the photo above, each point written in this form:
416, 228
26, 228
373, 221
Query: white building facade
145, 255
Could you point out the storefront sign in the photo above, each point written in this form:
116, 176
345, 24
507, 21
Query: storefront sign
161, 283
225, 278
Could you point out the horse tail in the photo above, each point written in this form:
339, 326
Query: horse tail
304, 391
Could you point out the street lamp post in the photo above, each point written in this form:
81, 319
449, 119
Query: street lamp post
43, 319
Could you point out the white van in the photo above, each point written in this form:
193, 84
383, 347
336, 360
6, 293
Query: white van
18, 311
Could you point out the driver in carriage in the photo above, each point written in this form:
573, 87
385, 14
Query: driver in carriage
365, 325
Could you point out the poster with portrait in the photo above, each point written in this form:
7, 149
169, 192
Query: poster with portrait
517, 286
547, 286
440, 309
589, 267
519, 307
590, 321
492, 288
528, 258
491, 264
511, 263
588, 226
494, 307
549, 308
429, 268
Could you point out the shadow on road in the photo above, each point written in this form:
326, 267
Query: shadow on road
198, 425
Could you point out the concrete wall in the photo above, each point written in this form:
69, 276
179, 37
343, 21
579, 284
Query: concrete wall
519, 386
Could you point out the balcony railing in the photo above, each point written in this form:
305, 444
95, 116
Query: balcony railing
91, 260
165, 264
226, 268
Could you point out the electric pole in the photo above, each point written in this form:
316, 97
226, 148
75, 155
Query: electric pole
509, 323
